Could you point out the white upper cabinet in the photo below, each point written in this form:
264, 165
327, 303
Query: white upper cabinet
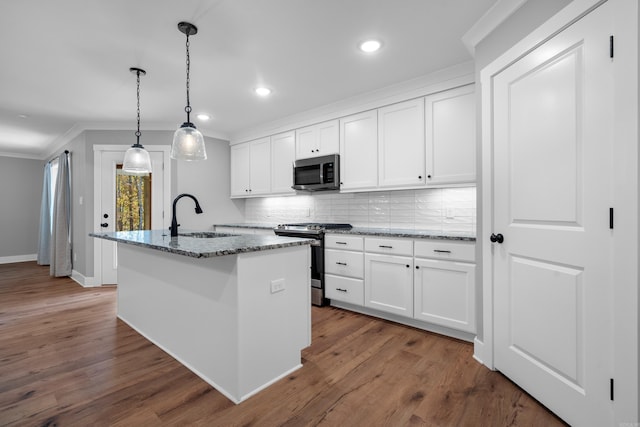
451, 136
318, 140
359, 151
401, 144
282, 157
240, 170
251, 168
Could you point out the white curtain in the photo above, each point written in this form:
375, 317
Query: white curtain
44, 236
61, 231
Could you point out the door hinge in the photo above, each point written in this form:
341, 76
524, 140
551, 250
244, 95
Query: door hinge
611, 46
611, 388
611, 218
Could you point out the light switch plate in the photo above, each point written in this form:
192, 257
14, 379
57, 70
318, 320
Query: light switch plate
277, 285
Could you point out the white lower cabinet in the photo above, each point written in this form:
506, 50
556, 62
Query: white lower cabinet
344, 289
444, 293
388, 283
431, 282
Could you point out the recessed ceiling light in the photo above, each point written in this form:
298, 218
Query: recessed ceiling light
370, 46
204, 117
262, 91
23, 116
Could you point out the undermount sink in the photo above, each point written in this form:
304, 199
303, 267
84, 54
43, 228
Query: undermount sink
206, 234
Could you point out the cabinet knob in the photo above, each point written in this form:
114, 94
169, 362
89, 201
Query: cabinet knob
104, 225
408, 266
419, 176
496, 238
417, 267
429, 176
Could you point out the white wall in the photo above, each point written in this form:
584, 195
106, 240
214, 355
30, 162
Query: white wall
21, 193
208, 181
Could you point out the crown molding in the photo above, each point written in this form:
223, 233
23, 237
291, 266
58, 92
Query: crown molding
81, 127
496, 15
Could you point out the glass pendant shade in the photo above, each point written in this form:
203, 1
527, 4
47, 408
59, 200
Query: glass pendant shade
188, 144
136, 161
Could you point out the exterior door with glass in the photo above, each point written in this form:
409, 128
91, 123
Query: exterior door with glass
127, 203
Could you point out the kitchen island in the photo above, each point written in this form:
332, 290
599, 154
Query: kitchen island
235, 310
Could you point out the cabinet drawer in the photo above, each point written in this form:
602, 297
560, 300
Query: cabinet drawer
439, 249
388, 246
341, 241
344, 289
344, 263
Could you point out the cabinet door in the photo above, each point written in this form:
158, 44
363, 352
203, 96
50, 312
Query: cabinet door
260, 173
359, 151
318, 140
388, 284
240, 169
401, 144
451, 136
328, 134
282, 157
445, 293
306, 142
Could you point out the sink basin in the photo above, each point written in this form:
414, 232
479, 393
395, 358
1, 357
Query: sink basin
206, 234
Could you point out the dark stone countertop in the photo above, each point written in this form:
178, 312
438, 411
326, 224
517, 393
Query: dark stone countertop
188, 244
399, 232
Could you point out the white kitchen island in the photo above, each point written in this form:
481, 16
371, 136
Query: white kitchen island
235, 310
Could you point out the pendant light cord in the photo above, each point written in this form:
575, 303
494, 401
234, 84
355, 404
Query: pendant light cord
138, 133
187, 109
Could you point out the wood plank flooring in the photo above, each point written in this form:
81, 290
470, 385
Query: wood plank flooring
65, 360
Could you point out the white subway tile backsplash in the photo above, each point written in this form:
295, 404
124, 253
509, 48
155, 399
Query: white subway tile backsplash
437, 209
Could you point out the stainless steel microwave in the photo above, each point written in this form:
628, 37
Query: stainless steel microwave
317, 173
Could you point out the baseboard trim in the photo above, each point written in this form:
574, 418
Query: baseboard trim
86, 282
18, 258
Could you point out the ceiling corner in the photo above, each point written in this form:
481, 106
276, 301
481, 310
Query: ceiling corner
495, 16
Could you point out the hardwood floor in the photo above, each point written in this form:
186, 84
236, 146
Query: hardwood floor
65, 360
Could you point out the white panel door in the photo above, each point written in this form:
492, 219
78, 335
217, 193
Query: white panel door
451, 136
401, 144
388, 283
359, 151
283, 149
552, 129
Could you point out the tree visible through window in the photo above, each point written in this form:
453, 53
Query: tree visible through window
133, 201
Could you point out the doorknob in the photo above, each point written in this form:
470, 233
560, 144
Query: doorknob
496, 238
104, 224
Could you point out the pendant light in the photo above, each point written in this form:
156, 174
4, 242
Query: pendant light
136, 159
188, 142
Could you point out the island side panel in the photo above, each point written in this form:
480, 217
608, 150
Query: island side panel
275, 314
186, 306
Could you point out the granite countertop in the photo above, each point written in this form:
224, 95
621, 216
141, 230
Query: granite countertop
399, 232
248, 225
188, 244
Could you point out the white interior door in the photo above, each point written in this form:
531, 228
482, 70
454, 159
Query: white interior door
552, 124
107, 210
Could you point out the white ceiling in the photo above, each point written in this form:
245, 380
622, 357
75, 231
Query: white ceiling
65, 63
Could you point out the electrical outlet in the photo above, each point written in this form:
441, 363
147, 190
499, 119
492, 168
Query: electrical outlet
277, 285
450, 213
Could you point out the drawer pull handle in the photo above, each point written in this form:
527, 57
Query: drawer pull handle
341, 243
341, 290
385, 246
341, 263
441, 251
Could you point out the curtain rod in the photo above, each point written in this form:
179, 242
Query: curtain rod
55, 157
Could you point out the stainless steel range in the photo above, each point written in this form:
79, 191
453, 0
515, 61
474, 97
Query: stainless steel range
313, 230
